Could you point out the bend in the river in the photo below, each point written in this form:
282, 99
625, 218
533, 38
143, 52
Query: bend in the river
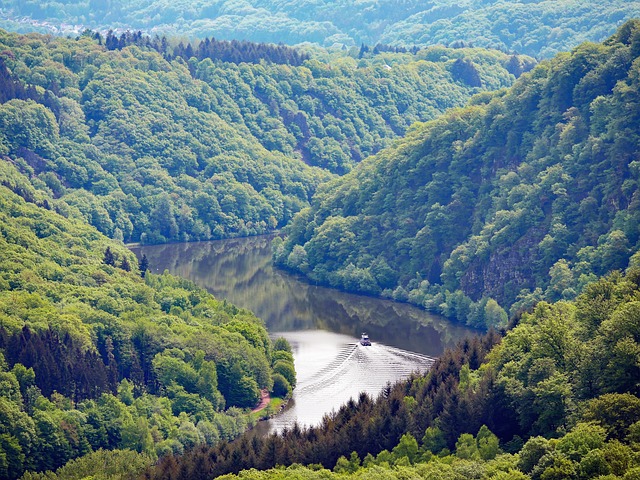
323, 325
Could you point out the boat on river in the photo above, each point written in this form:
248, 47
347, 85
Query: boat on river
364, 340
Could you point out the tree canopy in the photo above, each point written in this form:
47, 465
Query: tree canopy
93, 356
151, 146
556, 397
525, 194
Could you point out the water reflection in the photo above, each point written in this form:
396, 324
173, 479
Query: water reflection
241, 271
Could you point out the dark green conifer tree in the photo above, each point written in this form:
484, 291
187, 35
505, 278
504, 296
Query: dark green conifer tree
144, 266
109, 259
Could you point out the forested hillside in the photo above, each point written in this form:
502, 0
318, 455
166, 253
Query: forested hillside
526, 194
522, 205
130, 143
539, 28
338, 110
144, 151
93, 356
556, 398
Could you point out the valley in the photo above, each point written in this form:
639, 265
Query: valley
191, 223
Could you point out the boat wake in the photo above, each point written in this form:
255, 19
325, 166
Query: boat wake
343, 373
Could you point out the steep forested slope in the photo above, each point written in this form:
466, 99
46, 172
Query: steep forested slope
558, 395
525, 194
335, 112
129, 142
142, 150
92, 356
542, 28
539, 28
332, 109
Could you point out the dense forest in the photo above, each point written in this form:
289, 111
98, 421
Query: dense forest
334, 113
227, 51
556, 398
469, 182
526, 194
93, 356
153, 150
540, 28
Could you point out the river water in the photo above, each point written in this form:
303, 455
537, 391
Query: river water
322, 325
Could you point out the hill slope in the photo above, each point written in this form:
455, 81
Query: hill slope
538, 28
336, 110
525, 194
144, 151
92, 356
128, 142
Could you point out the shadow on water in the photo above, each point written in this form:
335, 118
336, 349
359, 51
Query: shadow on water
322, 325
241, 271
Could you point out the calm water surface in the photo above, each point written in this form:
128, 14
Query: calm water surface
323, 325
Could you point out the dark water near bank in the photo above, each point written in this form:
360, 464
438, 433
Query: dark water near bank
323, 325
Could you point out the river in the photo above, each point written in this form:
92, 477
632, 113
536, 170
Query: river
322, 325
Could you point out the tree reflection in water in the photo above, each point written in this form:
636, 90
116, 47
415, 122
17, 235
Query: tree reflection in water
241, 271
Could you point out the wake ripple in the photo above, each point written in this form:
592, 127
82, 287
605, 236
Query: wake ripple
353, 369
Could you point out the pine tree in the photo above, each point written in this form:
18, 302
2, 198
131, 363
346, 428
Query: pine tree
144, 266
125, 265
109, 259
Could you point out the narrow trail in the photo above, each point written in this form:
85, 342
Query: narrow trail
265, 398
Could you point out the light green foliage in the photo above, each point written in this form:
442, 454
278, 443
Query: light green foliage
286, 370
501, 465
532, 452
485, 446
580, 454
494, 315
29, 125
634, 433
434, 440
540, 373
509, 475
284, 377
281, 344
520, 166
281, 386
619, 457
488, 444
347, 466
582, 439
54, 279
565, 364
197, 376
466, 447
594, 464
407, 448
99, 465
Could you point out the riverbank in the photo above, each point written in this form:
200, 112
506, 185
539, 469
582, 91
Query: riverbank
322, 326
268, 409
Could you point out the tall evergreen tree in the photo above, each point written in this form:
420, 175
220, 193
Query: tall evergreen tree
125, 265
144, 266
109, 259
